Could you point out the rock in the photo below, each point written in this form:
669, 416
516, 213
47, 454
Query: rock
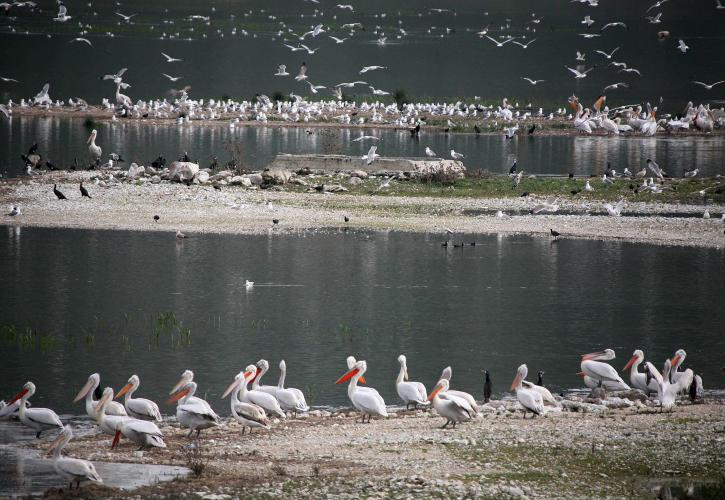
304, 171
155, 179
335, 188
239, 180
203, 176
360, 174
255, 179
633, 395
183, 170
223, 175
135, 171
355, 181
597, 393
298, 181
151, 171
276, 176
614, 402
576, 406
439, 170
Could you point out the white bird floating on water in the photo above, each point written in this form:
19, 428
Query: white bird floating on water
249, 284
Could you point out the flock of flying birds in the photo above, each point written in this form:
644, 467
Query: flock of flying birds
254, 407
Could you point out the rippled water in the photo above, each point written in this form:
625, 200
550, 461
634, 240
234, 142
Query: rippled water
94, 301
62, 140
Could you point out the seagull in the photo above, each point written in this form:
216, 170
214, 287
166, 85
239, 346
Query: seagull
170, 59
179, 234
656, 19
385, 184
631, 70
315, 88
682, 46
248, 284
293, 49
338, 40
371, 68
608, 56
281, 70
612, 25
532, 82
525, 45
588, 21
378, 91
125, 17
429, 152
709, 87
62, 14
370, 157
302, 74
172, 78
656, 5
116, 78
42, 97
578, 74
83, 40
309, 50
588, 35
6, 79
655, 168
615, 86
580, 57
500, 44
456, 156
616, 210
14, 211
365, 137
345, 6
719, 4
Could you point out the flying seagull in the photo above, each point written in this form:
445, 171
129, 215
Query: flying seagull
170, 59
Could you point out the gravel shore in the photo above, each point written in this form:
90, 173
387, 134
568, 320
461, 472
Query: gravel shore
619, 448
238, 210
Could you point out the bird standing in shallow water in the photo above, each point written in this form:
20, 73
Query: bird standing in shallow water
84, 192
58, 194
555, 234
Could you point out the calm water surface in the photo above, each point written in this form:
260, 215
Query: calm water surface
95, 298
61, 140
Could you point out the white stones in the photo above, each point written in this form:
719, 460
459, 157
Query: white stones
135, 171
183, 171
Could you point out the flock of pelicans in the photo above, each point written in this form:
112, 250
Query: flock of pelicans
253, 408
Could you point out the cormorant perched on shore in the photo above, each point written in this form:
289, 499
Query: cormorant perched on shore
487, 387
512, 170
532, 129
84, 192
540, 379
415, 130
57, 193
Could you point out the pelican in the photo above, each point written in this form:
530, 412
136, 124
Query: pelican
447, 374
109, 424
452, 408
71, 469
38, 419
93, 148
140, 408
262, 368
412, 393
593, 367
592, 383
350, 360
247, 414
123, 99
145, 434
666, 391
530, 399
290, 399
639, 380
196, 416
263, 399
186, 377
682, 378
112, 408
367, 402
546, 395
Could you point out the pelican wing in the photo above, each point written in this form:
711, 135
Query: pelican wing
369, 402
531, 400
600, 371
144, 407
266, 401
142, 427
412, 392
43, 416
79, 469
251, 412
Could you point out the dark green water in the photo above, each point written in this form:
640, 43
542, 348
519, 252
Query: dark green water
94, 300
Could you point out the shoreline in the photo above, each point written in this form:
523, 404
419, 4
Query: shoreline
237, 210
499, 454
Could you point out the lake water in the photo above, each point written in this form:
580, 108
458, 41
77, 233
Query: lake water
60, 140
131, 302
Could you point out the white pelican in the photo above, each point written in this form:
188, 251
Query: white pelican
447, 374
123, 99
38, 419
262, 368
263, 399
639, 380
290, 399
71, 469
140, 408
368, 402
350, 360
93, 148
452, 408
186, 377
529, 399
142, 432
683, 378
109, 424
112, 408
192, 414
593, 367
593, 383
546, 395
247, 414
410, 392
666, 391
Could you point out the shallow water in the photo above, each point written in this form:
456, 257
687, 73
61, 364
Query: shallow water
94, 301
24, 472
60, 140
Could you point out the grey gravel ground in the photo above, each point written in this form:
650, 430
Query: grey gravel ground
234, 209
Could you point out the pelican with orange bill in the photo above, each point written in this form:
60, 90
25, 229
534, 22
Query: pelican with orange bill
193, 415
368, 402
452, 408
140, 408
529, 399
38, 419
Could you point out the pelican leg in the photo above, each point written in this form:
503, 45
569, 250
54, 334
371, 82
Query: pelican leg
446, 424
37, 435
454, 424
198, 431
243, 430
190, 433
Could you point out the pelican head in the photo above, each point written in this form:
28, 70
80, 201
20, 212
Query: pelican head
521, 373
92, 137
447, 373
404, 363
441, 386
93, 381
65, 435
133, 382
350, 362
186, 377
604, 355
239, 378
27, 391
680, 355
105, 399
636, 355
263, 365
185, 392
282, 365
356, 371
